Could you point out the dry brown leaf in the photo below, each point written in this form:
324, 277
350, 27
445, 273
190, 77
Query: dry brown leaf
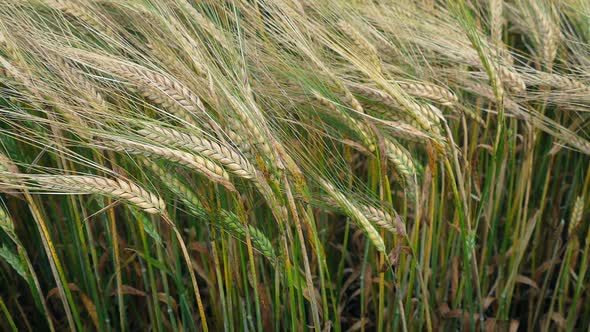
128, 290
527, 281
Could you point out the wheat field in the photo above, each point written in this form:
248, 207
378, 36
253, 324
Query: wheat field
294, 165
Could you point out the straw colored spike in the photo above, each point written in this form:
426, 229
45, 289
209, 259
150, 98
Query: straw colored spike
355, 213
119, 189
198, 163
226, 155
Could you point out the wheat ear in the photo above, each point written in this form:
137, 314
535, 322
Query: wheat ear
226, 155
564, 83
228, 221
119, 189
71, 8
424, 115
355, 213
429, 91
200, 164
363, 47
496, 8
576, 216
403, 163
390, 222
358, 127
78, 79
161, 90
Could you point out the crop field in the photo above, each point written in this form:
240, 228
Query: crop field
294, 165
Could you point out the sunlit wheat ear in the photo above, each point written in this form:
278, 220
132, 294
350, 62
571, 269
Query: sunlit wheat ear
206, 24
160, 89
390, 222
118, 189
354, 213
548, 34
203, 165
355, 125
511, 79
562, 82
403, 163
248, 129
424, 115
363, 47
348, 98
227, 220
429, 91
504, 74
577, 213
496, 21
233, 128
79, 12
220, 152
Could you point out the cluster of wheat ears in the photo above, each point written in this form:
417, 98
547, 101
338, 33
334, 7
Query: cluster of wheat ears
297, 165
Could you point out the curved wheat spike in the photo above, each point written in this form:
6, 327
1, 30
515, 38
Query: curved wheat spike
238, 140
349, 98
496, 22
81, 81
352, 123
504, 74
205, 24
429, 91
512, 79
203, 165
118, 189
222, 153
390, 222
355, 213
403, 163
548, 34
363, 47
424, 115
158, 88
71, 8
576, 216
562, 82
228, 221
